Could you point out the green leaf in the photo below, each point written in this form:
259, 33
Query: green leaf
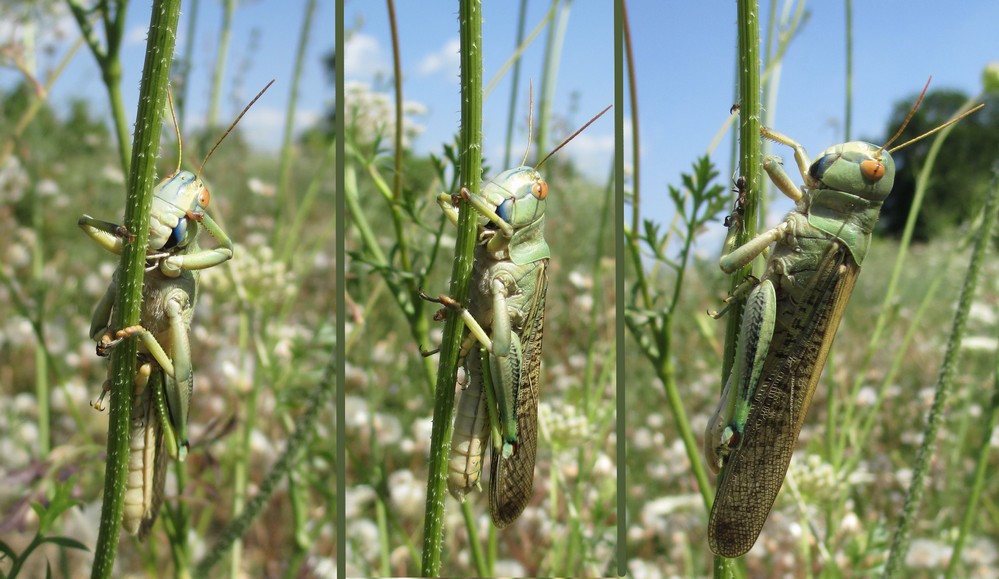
65, 542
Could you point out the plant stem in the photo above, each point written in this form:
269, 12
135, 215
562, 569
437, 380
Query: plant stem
553, 52
149, 117
984, 449
285, 193
317, 402
875, 343
470, 23
900, 544
751, 167
113, 17
229, 6
185, 64
848, 114
514, 85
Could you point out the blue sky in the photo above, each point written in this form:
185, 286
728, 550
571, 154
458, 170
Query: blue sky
429, 51
685, 67
277, 24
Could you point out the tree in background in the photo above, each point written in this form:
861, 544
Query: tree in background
961, 174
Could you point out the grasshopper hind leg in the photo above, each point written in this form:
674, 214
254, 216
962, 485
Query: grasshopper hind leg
512, 483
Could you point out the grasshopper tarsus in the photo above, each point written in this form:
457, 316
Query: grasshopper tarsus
98, 404
428, 353
446, 301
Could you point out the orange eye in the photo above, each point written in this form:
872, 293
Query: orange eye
204, 197
540, 190
872, 170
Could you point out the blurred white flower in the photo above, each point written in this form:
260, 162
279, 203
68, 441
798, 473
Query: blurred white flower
357, 499
356, 412
371, 115
260, 187
47, 188
408, 493
928, 554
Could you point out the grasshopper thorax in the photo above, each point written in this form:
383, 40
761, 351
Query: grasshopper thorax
177, 200
859, 168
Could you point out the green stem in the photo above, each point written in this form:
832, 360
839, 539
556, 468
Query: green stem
848, 114
397, 81
112, 80
515, 85
900, 545
219, 74
470, 23
185, 64
553, 52
149, 123
285, 193
478, 556
113, 17
984, 450
751, 167
750, 157
875, 343
317, 402
241, 461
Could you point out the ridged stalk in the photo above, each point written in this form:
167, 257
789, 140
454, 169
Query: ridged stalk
470, 24
148, 125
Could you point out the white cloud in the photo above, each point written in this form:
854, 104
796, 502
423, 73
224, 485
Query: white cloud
262, 127
592, 154
363, 59
446, 60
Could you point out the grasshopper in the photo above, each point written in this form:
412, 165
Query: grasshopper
164, 380
504, 324
790, 320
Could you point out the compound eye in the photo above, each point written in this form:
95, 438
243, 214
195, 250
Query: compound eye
872, 170
540, 190
204, 197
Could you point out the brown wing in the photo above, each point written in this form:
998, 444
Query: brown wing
512, 484
755, 471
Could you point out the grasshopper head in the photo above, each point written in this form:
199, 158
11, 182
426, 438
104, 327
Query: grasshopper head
859, 168
518, 196
177, 201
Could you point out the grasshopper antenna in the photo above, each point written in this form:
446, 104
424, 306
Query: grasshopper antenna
233, 125
941, 127
530, 120
927, 133
176, 128
908, 117
572, 136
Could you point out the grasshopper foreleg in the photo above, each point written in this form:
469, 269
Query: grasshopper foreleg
200, 258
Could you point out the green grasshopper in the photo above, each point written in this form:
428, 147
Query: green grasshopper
502, 346
789, 323
164, 380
